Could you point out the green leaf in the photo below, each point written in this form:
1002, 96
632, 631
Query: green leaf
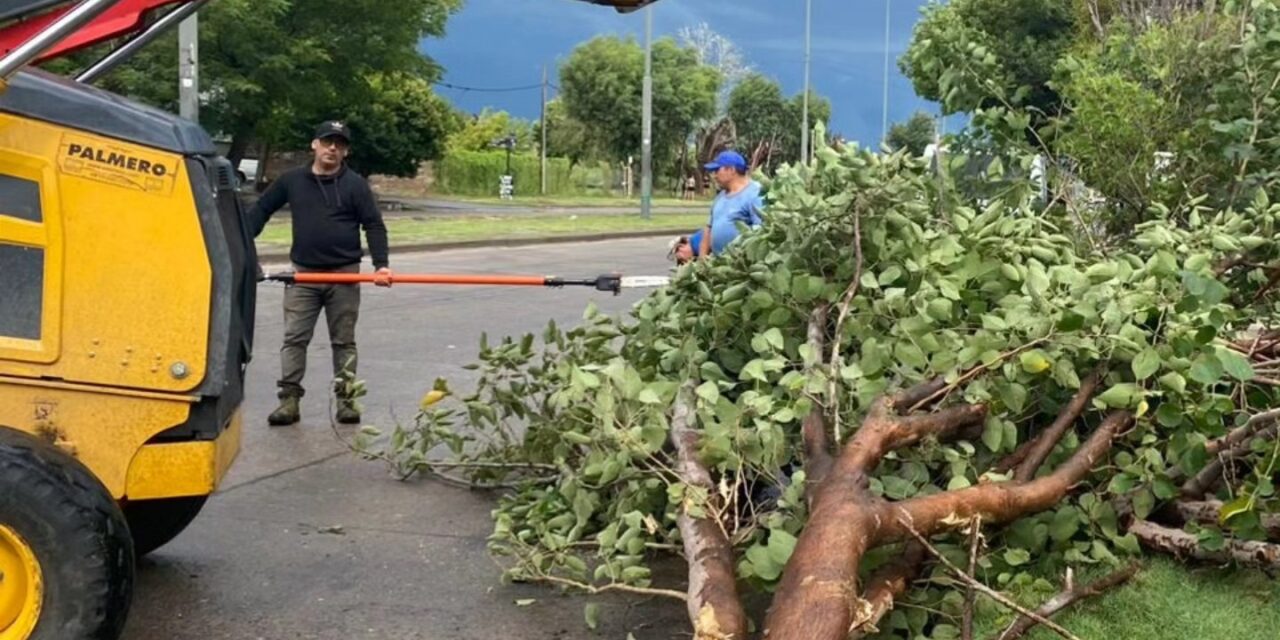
710, 391
1146, 364
993, 433
1120, 396
1235, 364
1017, 557
1174, 382
781, 546
1035, 361
1144, 502
1066, 521
591, 613
1240, 505
774, 338
754, 371
1207, 369
1120, 483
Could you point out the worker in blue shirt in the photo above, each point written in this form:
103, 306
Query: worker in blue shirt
739, 200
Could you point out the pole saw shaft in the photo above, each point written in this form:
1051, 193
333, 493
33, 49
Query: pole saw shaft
610, 282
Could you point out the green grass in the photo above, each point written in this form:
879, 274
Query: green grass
412, 230
584, 201
1169, 600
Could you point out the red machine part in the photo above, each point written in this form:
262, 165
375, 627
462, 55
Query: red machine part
125, 17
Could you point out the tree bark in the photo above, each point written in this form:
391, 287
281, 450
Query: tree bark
1047, 440
1200, 484
818, 597
1181, 544
714, 607
1206, 512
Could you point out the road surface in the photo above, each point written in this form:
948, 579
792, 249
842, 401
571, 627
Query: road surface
410, 562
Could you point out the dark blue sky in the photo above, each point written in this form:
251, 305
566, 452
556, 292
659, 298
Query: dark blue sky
504, 43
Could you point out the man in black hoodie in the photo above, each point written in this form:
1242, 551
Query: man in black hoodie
329, 204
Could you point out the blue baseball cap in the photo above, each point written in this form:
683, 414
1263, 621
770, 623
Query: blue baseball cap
728, 159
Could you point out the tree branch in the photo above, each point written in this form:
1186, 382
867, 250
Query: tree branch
714, 607
817, 448
975, 535
1067, 598
850, 292
1208, 512
1198, 485
1047, 440
1003, 502
1181, 544
885, 586
984, 589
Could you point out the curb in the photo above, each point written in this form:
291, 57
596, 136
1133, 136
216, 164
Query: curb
282, 254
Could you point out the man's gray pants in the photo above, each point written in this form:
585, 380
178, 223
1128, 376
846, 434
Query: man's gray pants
302, 306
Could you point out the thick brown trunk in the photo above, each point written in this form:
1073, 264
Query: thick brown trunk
714, 607
818, 595
1185, 545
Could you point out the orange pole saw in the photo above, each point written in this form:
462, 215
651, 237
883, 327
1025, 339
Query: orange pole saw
613, 283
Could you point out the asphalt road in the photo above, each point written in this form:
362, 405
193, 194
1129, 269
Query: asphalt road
410, 561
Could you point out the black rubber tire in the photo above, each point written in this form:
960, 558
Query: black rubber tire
154, 523
76, 532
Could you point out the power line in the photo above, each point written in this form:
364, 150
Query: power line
489, 89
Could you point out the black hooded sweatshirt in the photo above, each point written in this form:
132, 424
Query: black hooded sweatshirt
328, 212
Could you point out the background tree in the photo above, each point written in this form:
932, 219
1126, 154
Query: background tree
914, 135
273, 68
477, 133
601, 86
969, 54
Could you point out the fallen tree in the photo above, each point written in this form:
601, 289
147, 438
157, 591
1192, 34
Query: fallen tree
820, 411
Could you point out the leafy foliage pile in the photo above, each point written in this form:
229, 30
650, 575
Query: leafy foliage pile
910, 281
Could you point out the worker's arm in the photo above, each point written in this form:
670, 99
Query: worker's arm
704, 248
375, 230
270, 202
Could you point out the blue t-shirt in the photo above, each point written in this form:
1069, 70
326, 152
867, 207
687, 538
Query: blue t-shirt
728, 210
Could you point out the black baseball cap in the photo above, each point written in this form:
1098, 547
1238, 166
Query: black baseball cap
333, 128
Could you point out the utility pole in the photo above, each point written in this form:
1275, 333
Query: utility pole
189, 68
544, 130
884, 118
808, 39
646, 140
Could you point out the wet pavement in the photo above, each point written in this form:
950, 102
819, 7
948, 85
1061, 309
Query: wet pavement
306, 541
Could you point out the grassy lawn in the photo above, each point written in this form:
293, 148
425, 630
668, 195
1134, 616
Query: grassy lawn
404, 231
584, 201
1167, 600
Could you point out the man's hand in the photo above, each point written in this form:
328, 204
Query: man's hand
382, 277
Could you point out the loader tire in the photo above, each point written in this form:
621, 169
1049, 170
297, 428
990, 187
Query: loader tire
154, 523
65, 548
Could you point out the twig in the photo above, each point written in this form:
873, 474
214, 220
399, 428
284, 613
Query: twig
975, 372
975, 534
1199, 484
984, 589
626, 588
850, 292
1067, 598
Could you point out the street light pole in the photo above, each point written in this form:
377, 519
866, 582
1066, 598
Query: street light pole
543, 146
884, 118
808, 39
646, 141
189, 68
